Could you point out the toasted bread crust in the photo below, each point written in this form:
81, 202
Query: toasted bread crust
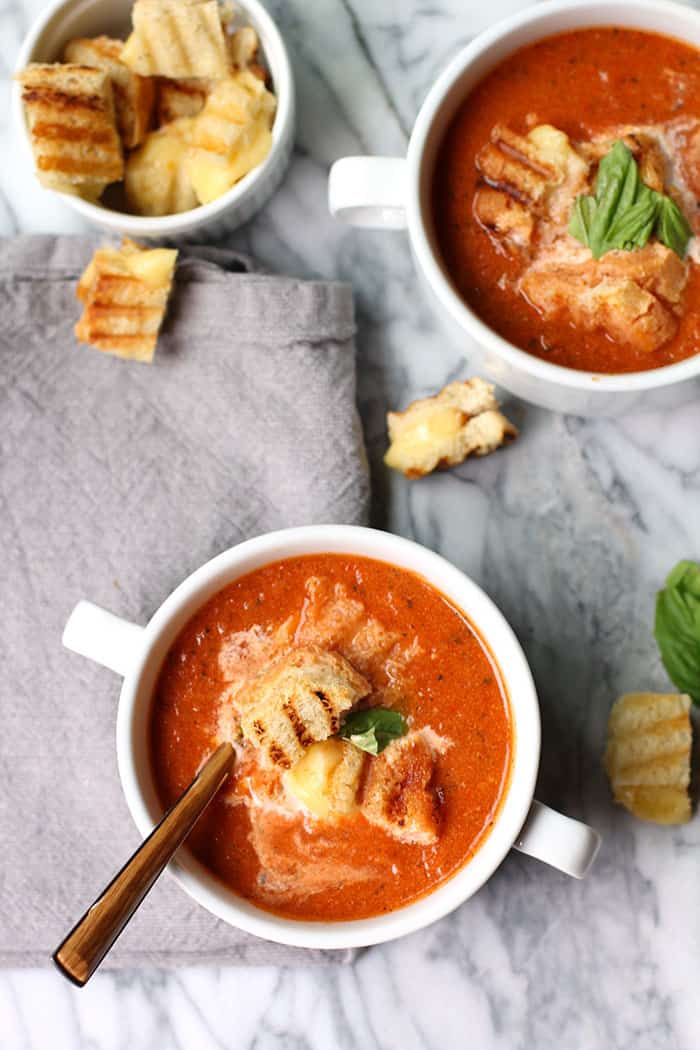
298, 701
398, 794
133, 94
648, 755
71, 118
231, 135
124, 305
443, 430
175, 39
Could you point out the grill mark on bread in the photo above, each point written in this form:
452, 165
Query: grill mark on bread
648, 755
399, 791
300, 731
114, 283
78, 166
176, 39
72, 133
70, 113
62, 100
333, 720
125, 294
102, 340
111, 313
133, 95
297, 701
279, 757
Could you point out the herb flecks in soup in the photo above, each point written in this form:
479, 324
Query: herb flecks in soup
371, 727
565, 197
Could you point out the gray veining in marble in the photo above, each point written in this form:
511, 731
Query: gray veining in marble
571, 533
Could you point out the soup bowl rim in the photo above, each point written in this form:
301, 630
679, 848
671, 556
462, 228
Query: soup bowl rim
135, 768
510, 30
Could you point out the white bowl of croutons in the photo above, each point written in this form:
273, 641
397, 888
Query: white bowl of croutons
160, 118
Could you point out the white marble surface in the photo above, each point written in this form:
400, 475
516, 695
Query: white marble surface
571, 531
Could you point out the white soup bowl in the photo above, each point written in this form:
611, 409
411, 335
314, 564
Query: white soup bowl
395, 193
138, 653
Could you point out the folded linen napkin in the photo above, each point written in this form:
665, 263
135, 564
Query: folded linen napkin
117, 480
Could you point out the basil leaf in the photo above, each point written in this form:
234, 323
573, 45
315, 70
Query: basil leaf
612, 170
631, 187
625, 213
581, 218
672, 227
677, 627
633, 228
374, 728
612, 173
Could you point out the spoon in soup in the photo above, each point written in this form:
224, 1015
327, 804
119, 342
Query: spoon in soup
82, 951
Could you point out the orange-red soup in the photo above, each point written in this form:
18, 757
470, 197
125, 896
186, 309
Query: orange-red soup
582, 82
439, 674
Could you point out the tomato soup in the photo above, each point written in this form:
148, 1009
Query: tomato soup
596, 86
419, 655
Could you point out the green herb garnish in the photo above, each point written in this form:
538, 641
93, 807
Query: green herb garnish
581, 219
624, 213
372, 729
672, 227
677, 627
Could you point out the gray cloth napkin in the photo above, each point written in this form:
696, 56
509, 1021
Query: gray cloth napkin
117, 479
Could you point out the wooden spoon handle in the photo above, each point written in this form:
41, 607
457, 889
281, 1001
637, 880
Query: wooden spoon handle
79, 955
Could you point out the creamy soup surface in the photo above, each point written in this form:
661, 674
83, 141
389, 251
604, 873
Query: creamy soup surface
419, 655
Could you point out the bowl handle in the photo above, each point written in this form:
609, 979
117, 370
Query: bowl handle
103, 637
566, 844
369, 192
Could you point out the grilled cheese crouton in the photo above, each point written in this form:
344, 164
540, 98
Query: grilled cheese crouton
297, 701
180, 98
527, 176
441, 431
648, 755
70, 114
176, 38
125, 294
398, 794
212, 175
632, 295
231, 135
653, 267
128, 247
133, 94
629, 314
243, 48
513, 161
504, 215
645, 149
326, 779
157, 179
